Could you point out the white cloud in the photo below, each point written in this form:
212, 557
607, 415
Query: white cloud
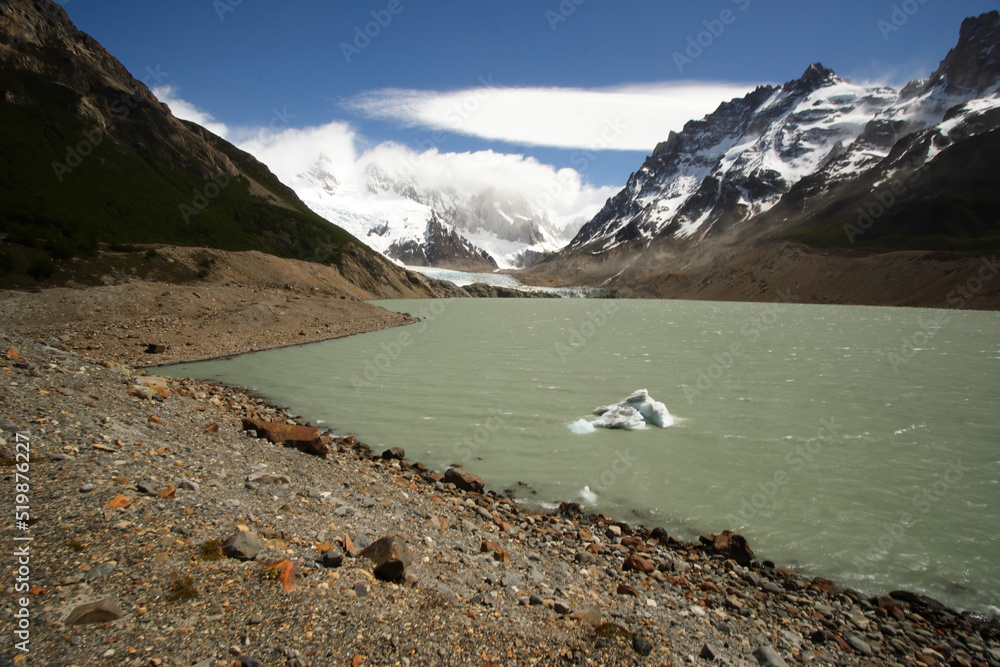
187, 111
628, 118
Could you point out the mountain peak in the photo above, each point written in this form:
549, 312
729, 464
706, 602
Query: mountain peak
974, 63
817, 71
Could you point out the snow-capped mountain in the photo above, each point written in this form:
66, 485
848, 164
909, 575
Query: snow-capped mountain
425, 226
806, 137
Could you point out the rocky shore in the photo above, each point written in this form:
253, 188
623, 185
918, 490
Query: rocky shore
180, 522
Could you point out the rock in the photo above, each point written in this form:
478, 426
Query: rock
188, 485
242, 545
767, 656
330, 559
463, 479
12, 354
708, 652
101, 611
659, 534
394, 453
391, 557
99, 571
495, 550
86, 488
636, 563
773, 588
157, 384
858, 644
613, 532
535, 600
562, 607
268, 478
306, 438
625, 589
155, 348
641, 645
733, 546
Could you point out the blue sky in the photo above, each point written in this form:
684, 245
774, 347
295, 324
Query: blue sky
578, 67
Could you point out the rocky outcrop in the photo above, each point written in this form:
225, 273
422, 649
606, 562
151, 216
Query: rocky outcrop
442, 246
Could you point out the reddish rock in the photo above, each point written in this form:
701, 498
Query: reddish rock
463, 479
306, 438
625, 589
733, 546
391, 557
636, 563
498, 552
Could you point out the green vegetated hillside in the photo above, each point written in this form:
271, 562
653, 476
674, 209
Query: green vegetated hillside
89, 157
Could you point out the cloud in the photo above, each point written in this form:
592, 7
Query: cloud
628, 118
187, 111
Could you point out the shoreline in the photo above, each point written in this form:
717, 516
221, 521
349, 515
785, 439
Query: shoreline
490, 581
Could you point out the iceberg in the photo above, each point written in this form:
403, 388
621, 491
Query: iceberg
635, 411
620, 416
581, 426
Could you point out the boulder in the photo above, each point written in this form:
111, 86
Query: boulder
733, 546
155, 348
391, 557
242, 545
396, 453
463, 479
306, 438
636, 563
101, 611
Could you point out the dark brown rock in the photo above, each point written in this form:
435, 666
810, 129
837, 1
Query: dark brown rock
463, 479
391, 557
306, 438
397, 453
625, 589
95, 612
155, 348
733, 546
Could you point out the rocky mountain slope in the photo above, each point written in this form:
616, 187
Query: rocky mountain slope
819, 160
90, 158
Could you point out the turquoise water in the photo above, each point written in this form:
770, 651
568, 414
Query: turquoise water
852, 442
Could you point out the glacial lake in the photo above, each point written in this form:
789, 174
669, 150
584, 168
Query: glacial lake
857, 443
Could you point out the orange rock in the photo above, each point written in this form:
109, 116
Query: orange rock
12, 354
167, 493
155, 420
119, 502
284, 571
212, 428
497, 551
358, 659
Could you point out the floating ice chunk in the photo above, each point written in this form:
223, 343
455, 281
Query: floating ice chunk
652, 411
621, 416
581, 426
588, 495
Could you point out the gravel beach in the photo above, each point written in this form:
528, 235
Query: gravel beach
180, 522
